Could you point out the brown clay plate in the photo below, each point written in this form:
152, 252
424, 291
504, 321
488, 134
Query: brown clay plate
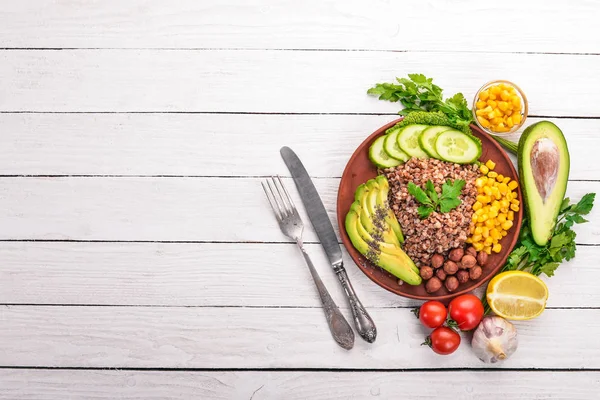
360, 169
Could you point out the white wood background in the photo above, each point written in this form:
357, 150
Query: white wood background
138, 257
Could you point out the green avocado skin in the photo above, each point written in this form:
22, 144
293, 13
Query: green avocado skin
542, 214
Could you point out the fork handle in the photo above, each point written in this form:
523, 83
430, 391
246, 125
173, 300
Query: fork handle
340, 329
362, 320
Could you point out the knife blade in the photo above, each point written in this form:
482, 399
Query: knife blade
322, 225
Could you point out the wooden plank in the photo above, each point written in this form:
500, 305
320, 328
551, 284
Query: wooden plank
132, 337
245, 275
169, 209
171, 144
262, 385
267, 81
308, 24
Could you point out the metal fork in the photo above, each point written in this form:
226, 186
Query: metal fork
291, 225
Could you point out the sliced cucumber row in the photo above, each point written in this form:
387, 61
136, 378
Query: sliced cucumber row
424, 141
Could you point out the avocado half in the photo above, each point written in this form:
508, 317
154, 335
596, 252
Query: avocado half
543, 160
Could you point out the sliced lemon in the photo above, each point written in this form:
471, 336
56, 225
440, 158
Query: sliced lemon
517, 295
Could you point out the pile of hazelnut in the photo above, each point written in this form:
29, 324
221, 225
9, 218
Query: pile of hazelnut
460, 267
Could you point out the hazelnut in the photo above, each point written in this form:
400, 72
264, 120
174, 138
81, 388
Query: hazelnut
468, 261
456, 254
482, 258
437, 260
451, 283
463, 276
433, 285
475, 272
450, 267
471, 250
426, 272
441, 274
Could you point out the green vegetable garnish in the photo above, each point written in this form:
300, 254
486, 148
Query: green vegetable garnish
418, 93
528, 256
430, 200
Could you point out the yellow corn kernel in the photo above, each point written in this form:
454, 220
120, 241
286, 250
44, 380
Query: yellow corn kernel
490, 223
490, 164
488, 241
501, 217
492, 103
485, 231
494, 208
509, 122
478, 230
483, 96
484, 122
482, 199
516, 101
498, 112
492, 174
496, 119
497, 222
515, 201
468, 240
479, 212
487, 250
474, 218
476, 238
497, 248
508, 196
500, 178
504, 233
493, 213
478, 246
482, 218
510, 216
514, 207
506, 180
487, 190
492, 96
507, 225
477, 206
497, 195
512, 185
481, 104
517, 118
503, 189
495, 90
484, 170
480, 182
503, 105
495, 233
505, 95
490, 182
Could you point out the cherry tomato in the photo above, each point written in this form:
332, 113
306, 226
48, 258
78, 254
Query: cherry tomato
432, 314
467, 311
443, 340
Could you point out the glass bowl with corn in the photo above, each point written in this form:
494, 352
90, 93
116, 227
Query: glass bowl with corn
500, 107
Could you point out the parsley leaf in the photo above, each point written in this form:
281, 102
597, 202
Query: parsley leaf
418, 93
430, 199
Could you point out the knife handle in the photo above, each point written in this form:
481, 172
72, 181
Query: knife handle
362, 320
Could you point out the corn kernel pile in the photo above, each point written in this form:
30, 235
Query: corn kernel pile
494, 210
499, 108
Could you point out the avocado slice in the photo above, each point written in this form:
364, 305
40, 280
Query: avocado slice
382, 246
384, 189
368, 204
360, 190
543, 160
400, 266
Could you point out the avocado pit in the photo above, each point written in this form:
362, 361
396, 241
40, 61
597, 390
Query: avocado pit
545, 161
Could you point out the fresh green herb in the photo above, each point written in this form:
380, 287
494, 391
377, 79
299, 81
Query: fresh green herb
528, 256
418, 93
431, 201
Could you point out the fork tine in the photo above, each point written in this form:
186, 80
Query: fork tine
287, 195
276, 209
282, 195
277, 197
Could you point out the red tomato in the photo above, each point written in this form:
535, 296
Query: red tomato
467, 311
432, 314
443, 340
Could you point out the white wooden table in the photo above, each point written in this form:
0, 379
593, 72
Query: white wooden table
138, 256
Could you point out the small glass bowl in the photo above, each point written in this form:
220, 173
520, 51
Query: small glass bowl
524, 107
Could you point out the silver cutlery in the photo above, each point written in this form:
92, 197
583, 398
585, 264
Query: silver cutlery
320, 221
291, 225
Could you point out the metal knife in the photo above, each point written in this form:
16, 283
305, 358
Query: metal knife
320, 221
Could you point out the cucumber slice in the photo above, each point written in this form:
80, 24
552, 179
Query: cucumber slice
458, 147
408, 140
428, 137
390, 145
379, 157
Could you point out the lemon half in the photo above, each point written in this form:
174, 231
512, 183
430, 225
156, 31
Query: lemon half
517, 295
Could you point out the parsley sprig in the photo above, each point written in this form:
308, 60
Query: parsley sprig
431, 201
418, 93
